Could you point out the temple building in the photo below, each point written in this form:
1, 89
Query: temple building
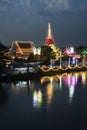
22, 49
49, 39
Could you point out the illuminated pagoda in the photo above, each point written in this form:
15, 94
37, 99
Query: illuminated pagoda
22, 49
49, 39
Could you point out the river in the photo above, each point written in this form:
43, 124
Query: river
56, 102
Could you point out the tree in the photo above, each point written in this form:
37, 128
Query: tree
47, 53
33, 58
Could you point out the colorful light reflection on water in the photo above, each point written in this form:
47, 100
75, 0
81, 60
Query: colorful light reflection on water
37, 99
67, 81
49, 102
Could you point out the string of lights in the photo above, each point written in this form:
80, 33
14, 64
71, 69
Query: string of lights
56, 68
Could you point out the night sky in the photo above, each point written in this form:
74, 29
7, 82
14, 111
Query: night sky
28, 20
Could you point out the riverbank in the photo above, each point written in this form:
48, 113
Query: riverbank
39, 73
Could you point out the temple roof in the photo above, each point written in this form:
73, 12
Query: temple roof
26, 45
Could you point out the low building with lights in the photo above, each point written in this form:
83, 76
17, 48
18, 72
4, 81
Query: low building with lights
22, 49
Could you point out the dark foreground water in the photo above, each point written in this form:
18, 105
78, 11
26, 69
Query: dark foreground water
58, 102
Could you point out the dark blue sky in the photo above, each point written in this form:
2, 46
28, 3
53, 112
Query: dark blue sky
28, 20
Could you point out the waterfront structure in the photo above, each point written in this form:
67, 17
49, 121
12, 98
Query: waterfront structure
22, 49
22, 68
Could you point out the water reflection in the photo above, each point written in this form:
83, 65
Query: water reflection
4, 96
49, 92
61, 81
19, 86
37, 99
71, 81
44, 92
84, 78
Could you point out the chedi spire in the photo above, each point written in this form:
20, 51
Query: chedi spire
49, 38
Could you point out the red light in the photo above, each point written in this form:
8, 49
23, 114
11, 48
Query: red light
49, 41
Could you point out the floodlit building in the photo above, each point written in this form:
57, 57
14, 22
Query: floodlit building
49, 39
22, 49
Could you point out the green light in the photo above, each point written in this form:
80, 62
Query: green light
84, 51
60, 83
